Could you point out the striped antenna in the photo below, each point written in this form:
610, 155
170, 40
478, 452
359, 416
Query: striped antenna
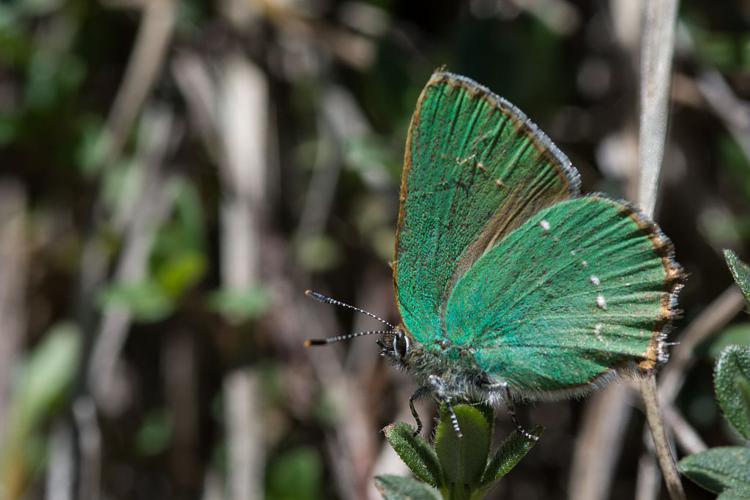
331, 340
328, 300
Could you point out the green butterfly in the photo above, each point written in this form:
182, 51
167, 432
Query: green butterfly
510, 285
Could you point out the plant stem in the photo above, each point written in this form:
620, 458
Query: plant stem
663, 453
656, 67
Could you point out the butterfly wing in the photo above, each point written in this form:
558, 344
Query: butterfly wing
475, 168
582, 288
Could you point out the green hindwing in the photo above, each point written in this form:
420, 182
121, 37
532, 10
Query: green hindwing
475, 169
581, 289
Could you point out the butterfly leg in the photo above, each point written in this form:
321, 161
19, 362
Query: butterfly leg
438, 388
419, 393
454, 418
512, 411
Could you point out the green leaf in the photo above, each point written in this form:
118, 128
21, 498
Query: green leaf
45, 376
719, 469
513, 449
295, 475
317, 253
463, 460
738, 334
146, 301
39, 390
735, 494
740, 272
416, 453
155, 433
404, 488
732, 385
240, 305
180, 272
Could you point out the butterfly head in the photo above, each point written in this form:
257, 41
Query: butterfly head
397, 346
395, 342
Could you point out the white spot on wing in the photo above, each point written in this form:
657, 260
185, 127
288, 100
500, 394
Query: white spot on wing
595, 280
584, 263
545, 225
601, 303
598, 331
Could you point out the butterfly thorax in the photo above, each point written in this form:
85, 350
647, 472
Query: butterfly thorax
448, 370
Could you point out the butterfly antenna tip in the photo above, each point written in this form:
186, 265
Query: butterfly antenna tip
329, 300
331, 340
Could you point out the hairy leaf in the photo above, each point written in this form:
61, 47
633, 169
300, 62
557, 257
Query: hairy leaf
404, 488
740, 272
732, 385
735, 494
513, 449
719, 469
416, 453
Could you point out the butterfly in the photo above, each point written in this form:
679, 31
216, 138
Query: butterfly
510, 284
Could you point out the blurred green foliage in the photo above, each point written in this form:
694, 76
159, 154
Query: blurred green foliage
62, 64
39, 390
295, 474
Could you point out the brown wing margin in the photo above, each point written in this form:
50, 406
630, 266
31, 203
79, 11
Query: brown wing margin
674, 280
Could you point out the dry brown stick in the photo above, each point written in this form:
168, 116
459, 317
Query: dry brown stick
243, 124
713, 317
599, 442
685, 435
663, 450
246, 458
90, 446
351, 48
152, 206
559, 16
155, 31
733, 111
154, 34
648, 484
656, 68
13, 267
198, 88
60, 475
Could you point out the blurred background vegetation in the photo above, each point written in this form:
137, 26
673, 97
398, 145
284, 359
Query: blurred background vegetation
174, 174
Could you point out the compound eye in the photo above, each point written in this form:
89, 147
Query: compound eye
401, 345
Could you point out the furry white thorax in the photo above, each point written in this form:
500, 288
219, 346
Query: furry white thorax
446, 379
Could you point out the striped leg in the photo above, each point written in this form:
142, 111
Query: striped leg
419, 393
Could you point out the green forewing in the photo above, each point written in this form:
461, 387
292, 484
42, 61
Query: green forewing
475, 169
582, 287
